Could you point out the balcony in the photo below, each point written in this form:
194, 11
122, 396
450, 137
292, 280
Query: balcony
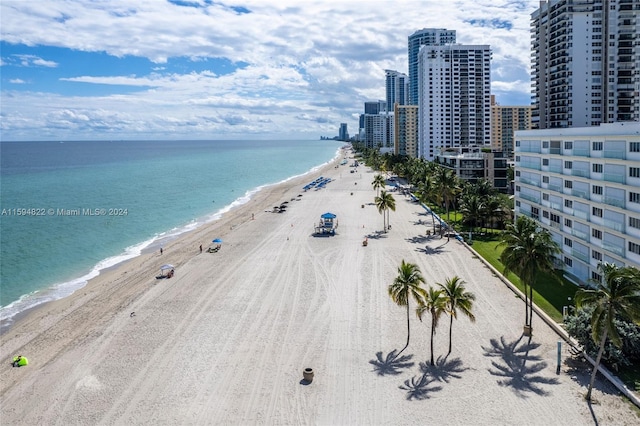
531, 198
613, 177
617, 202
581, 256
582, 194
582, 235
581, 215
614, 154
614, 225
613, 248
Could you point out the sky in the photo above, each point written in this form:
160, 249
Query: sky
206, 69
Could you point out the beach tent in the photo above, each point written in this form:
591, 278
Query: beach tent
20, 362
166, 267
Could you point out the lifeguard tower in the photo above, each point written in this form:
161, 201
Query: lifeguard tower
327, 225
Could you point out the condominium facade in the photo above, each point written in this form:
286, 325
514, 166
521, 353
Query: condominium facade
406, 130
424, 37
455, 97
505, 121
396, 88
585, 66
583, 185
377, 132
473, 164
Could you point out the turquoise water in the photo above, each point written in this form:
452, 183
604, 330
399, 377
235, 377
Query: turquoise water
71, 209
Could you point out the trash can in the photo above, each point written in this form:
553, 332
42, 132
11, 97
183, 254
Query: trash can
307, 374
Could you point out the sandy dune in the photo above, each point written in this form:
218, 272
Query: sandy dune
225, 341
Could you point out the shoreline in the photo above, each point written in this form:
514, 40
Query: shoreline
149, 246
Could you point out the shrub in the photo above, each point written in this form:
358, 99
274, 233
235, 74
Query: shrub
579, 327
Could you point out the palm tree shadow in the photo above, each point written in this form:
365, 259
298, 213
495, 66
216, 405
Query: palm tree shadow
444, 370
418, 239
430, 250
519, 367
392, 364
418, 387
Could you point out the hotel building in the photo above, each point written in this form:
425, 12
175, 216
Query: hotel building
583, 185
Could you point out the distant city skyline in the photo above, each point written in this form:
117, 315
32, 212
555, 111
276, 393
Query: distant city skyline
210, 70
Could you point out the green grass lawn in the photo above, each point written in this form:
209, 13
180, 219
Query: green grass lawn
551, 292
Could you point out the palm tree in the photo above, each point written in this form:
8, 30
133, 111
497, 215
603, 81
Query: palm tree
406, 285
457, 299
384, 203
434, 302
473, 209
617, 295
529, 250
378, 182
446, 183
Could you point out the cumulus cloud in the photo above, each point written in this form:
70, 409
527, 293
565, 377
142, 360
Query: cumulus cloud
294, 67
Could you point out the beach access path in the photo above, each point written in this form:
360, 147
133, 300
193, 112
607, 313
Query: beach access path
225, 341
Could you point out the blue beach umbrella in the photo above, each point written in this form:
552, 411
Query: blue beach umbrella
217, 241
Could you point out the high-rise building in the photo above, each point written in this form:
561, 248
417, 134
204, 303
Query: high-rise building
343, 134
377, 131
505, 121
397, 88
455, 97
585, 66
406, 130
428, 37
583, 185
375, 107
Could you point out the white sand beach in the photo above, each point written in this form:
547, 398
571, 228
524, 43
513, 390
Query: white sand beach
225, 341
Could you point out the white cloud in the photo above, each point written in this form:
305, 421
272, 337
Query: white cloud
308, 65
17, 81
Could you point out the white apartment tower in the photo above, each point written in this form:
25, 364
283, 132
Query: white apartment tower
583, 185
585, 63
454, 83
424, 37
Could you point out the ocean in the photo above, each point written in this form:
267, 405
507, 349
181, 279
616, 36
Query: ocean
71, 209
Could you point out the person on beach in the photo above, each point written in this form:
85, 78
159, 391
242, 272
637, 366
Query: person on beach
200, 248
160, 250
